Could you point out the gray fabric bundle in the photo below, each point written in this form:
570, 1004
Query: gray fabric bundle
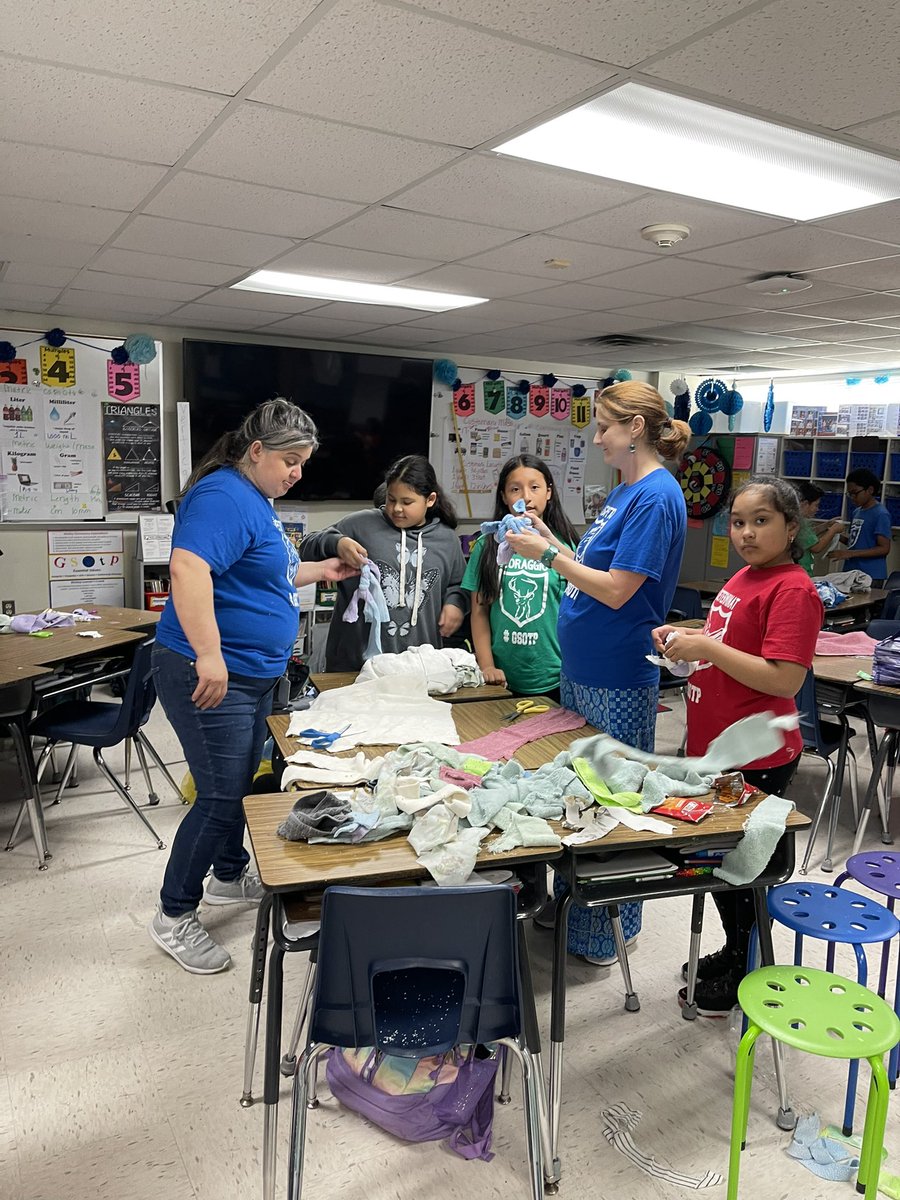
315, 814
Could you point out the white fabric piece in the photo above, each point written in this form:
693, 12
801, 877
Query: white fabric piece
619, 1122
603, 823
451, 865
444, 670
380, 712
643, 823
846, 581
679, 669
309, 766
455, 798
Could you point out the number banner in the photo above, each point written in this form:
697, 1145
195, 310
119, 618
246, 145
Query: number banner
14, 372
560, 401
581, 411
539, 401
58, 366
516, 403
464, 400
494, 394
123, 382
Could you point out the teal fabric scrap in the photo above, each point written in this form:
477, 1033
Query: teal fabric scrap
762, 832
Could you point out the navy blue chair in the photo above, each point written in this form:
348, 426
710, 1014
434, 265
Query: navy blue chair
102, 725
883, 627
686, 605
414, 972
824, 739
892, 583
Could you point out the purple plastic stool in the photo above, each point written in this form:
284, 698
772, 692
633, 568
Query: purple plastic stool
880, 871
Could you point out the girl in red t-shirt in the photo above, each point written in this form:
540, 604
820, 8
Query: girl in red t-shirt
752, 655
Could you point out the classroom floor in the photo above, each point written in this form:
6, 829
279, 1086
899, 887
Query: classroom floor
120, 1074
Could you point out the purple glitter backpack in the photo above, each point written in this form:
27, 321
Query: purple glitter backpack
420, 1100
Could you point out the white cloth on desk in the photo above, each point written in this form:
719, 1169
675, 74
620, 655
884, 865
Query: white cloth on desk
310, 766
443, 670
379, 712
846, 581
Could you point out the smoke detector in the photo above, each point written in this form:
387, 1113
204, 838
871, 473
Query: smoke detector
666, 235
779, 284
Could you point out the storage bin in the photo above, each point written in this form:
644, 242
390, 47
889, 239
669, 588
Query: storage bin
867, 462
832, 464
892, 504
830, 506
895, 467
797, 463
155, 601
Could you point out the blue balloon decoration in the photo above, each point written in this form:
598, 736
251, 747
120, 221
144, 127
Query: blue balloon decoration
622, 375
549, 380
445, 371
882, 378
55, 337
141, 349
7, 352
731, 406
769, 410
853, 380
701, 423
119, 355
710, 394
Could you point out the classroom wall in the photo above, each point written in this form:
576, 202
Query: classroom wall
23, 567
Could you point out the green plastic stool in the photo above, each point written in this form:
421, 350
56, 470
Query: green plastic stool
822, 1014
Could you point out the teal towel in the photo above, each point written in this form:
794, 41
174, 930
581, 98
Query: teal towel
762, 831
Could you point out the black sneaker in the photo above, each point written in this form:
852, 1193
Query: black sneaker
715, 997
711, 966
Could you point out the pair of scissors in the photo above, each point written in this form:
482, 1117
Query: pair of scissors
320, 740
524, 708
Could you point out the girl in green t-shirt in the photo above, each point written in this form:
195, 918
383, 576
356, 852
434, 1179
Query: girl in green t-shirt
809, 541
515, 608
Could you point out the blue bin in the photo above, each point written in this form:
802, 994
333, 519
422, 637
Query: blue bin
830, 506
868, 461
797, 464
832, 464
895, 467
892, 504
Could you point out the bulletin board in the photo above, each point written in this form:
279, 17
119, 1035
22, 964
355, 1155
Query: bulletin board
80, 436
485, 422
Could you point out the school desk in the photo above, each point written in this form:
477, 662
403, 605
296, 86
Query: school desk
327, 680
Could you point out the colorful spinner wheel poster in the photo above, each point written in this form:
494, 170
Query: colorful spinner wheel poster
705, 479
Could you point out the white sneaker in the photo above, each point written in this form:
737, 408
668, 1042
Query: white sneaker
246, 889
613, 958
185, 939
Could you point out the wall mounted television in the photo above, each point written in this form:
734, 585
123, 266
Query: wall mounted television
370, 409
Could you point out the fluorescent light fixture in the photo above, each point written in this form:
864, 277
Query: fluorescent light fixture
350, 291
653, 139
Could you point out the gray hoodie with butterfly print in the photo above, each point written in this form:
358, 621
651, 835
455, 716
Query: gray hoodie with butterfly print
421, 570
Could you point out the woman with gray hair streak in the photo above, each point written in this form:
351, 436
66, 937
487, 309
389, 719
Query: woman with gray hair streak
222, 644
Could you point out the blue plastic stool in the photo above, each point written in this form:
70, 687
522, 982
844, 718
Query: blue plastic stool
880, 871
831, 914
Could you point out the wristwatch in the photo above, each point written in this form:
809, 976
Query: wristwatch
549, 555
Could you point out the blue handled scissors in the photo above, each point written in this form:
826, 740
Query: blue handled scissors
526, 708
320, 740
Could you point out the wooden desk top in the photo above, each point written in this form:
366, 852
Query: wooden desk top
326, 681
25, 657
838, 668
857, 600
706, 587
472, 721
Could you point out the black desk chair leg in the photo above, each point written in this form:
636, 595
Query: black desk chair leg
632, 1003
257, 979
689, 1011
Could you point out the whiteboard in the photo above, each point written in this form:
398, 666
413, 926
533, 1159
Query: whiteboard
51, 424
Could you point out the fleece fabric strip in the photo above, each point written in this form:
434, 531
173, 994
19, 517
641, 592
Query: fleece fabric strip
375, 613
619, 1122
505, 742
762, 832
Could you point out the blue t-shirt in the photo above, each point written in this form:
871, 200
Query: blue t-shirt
641, 529
231, 525
865, 526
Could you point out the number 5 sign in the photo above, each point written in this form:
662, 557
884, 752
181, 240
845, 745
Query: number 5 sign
123, 382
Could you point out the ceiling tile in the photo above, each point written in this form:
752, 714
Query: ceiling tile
884, 132
115, 308
672, 277
822, 85
881, 222
528, 255
88, 178
43, 218
30, 296
882, 274
474, 344
845, 332
376, 314
494, 190
709, 224
769, 322
380, 45
161, 266
236, 205
881, 343
676, 309
614, 33
470, 281
315, 258
44, 251
101, 112
317, 328
737, 297
395, 231
799, 248
608, 322
227, 318
160, 235
400, 336
317, 157
585, 295
43, 276
129, 285
262, 301
855, 307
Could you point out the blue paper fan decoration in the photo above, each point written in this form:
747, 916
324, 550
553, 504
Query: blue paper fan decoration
701, 423
769, 410
710, 394
731, 405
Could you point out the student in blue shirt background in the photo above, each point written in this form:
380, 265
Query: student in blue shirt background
869, 535
623, 573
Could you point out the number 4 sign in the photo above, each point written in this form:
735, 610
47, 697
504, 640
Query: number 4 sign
57, 366
123, 382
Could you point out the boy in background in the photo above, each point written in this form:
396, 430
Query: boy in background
869, 537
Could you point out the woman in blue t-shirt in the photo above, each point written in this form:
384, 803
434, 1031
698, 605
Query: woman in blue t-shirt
621, 576
222, 644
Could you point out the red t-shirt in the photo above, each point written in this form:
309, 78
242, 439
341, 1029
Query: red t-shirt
774, 613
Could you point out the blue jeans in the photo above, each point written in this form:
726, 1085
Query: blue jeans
222, 747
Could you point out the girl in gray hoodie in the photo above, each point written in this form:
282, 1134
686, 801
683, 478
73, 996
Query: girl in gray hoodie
411, 540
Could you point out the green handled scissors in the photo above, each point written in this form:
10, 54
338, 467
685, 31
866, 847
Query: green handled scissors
525, 708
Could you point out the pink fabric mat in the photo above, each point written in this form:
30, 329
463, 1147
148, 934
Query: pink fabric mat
503, 743
854, 645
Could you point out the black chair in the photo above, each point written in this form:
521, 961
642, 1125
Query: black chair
414, 972
891, 606
882, 627
15, 703
102, 725
824, 739
686, 605
892, 583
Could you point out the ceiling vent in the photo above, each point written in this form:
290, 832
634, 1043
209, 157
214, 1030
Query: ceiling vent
779, 285
626, 339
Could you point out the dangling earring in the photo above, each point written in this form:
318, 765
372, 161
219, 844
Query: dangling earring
632, 448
